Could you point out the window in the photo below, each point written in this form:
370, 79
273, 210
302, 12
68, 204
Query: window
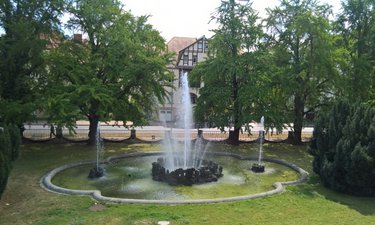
186, 59
193, 98
165, 115
195, 59
200, 45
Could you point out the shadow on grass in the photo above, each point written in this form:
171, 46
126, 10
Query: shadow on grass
314, 188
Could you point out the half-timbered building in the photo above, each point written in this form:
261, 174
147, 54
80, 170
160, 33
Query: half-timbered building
189, 52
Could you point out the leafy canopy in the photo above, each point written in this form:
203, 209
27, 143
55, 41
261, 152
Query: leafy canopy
231, 68
118, 73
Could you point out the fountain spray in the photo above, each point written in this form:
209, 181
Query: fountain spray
258, 167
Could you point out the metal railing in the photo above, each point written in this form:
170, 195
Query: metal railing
150, 134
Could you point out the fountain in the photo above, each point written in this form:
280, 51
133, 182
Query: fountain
97, 171
127, 177
258, 167
187, 167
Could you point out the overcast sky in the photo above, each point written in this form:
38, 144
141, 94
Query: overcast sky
189, 18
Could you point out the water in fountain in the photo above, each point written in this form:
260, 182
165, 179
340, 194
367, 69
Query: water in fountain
191, 156
186, 113
258, 167
97, 171
188, 162
261, 139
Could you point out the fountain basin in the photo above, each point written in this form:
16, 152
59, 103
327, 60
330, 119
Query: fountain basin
49, 182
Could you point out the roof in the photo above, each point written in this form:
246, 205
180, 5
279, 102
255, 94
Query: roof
176, 44
187, 46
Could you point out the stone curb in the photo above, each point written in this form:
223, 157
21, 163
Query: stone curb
46, 183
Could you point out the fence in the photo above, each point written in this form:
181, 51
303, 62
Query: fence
115, 133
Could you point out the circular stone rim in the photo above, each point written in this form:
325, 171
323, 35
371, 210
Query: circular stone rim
46, 181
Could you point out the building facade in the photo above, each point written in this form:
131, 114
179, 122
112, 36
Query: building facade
189, 52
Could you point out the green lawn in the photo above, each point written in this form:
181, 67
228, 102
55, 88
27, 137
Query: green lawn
25, 202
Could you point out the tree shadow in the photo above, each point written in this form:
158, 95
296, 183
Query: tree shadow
314, 188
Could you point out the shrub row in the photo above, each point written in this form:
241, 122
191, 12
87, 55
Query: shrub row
343, 147
10, 140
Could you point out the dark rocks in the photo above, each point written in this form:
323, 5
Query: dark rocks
208, 172
96, 172
257, 168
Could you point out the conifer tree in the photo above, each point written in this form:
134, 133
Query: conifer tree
344, 149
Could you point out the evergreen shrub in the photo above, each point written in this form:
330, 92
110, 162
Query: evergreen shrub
10, 140
15, 140
343, 147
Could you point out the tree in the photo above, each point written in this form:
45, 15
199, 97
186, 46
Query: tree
119, 73
27, 26
356, 28
344, 148
300, 36
230, 69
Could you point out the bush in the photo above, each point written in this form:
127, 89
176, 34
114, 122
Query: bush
15, 140
10, 140
344, 149
4, 173
5, 144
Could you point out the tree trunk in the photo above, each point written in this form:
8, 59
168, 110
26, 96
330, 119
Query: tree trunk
234, 136
299, 108
93, 128
59, 132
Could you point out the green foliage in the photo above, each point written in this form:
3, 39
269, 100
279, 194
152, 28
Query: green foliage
355, 28
27, 26
4, 172
344, 148
305, 57
15, 140
16, 111
118, 73
10, 140
5, 158
6, 145
231, 69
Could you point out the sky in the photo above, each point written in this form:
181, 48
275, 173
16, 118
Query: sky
190, 18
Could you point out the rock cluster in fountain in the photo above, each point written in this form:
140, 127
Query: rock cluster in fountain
96, 172
257, 168
208, 172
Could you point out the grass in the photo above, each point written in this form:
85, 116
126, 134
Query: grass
24, 202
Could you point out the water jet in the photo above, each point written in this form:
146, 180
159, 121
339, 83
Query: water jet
258, 167
188, 167
97, 171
